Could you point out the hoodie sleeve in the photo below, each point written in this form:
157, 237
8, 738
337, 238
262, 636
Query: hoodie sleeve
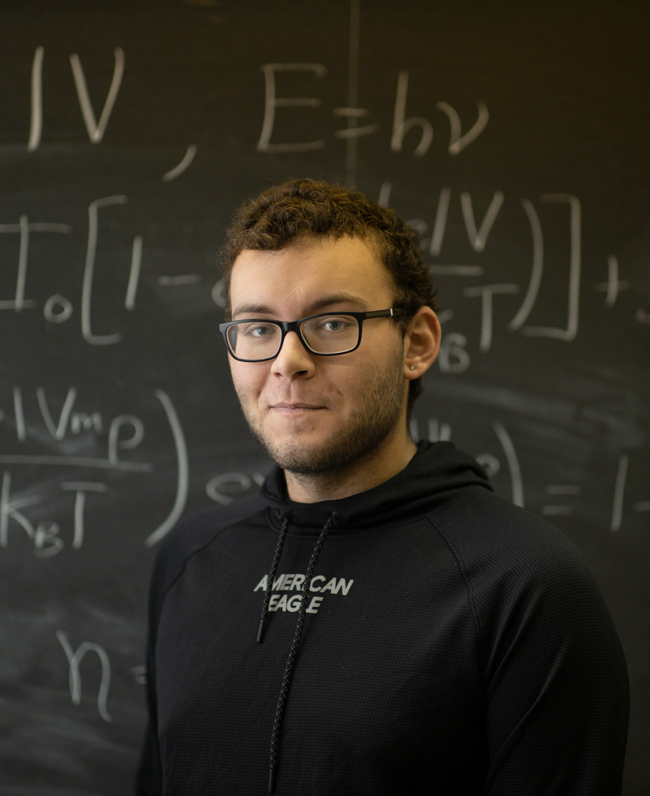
556, 682
149, 774
185, 540
169, 563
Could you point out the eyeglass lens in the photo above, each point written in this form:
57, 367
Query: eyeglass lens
324, 334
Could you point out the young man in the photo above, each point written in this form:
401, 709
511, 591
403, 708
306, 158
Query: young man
376, 621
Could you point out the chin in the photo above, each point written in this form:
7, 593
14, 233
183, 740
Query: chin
304, 458
325, 454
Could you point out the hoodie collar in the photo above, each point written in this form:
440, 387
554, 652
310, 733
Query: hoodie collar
436, 474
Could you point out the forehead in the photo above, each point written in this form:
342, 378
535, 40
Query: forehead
308, 270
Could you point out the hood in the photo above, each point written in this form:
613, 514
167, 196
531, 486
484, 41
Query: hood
436, 474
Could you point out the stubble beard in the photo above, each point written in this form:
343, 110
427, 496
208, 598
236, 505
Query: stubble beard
376, 415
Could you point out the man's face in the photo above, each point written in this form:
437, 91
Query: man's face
316, 414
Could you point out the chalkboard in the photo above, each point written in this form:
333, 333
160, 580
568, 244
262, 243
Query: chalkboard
514, 136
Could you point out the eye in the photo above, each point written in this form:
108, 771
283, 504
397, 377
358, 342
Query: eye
259, 330
333, 324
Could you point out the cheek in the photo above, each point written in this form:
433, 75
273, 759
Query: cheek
350, 378
248, 380
339, 375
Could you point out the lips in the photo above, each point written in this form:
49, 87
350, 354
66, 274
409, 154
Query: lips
297, 407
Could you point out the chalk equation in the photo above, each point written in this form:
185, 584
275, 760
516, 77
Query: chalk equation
402, 124
454, 355
408, 135
563, 499
355, 117
560, 499
122, 433
75, 657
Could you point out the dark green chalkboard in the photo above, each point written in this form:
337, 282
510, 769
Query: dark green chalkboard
513, 135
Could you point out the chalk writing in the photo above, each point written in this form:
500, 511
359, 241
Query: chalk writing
96, 129
402, 125
491, 464
571, 330
453, 356
273, 101
89, 270
183, 473
440, 223
560, 490
614, 285
114, 441
478, 237
74, 677
80, 488
57, 430
513, 463
458, 142
47, 541
486, 292
619, 493
9, 509
140, 674
36, 123
183, 166
537, 267
57, 309
125, 432
134, 273
224, 488
24, 228
436, 431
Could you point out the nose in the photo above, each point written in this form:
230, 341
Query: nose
293, 360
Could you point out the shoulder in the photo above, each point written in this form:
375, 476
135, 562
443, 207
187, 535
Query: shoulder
191, 536
489, 535
515, 563
525, 579
549, 656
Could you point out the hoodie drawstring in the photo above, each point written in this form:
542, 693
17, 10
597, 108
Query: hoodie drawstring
269, 585
295, 644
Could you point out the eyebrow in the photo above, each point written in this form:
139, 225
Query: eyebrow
325, 301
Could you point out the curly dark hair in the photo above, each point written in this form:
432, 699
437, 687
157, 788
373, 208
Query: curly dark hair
298, 208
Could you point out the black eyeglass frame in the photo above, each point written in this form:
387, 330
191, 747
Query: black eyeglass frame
294, 326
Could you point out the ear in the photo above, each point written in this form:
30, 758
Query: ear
421, 343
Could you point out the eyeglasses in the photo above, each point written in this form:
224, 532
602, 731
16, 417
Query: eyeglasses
327, 334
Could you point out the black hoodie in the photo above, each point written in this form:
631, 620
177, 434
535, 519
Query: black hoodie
452, 644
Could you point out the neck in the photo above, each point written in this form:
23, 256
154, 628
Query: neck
383, 463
